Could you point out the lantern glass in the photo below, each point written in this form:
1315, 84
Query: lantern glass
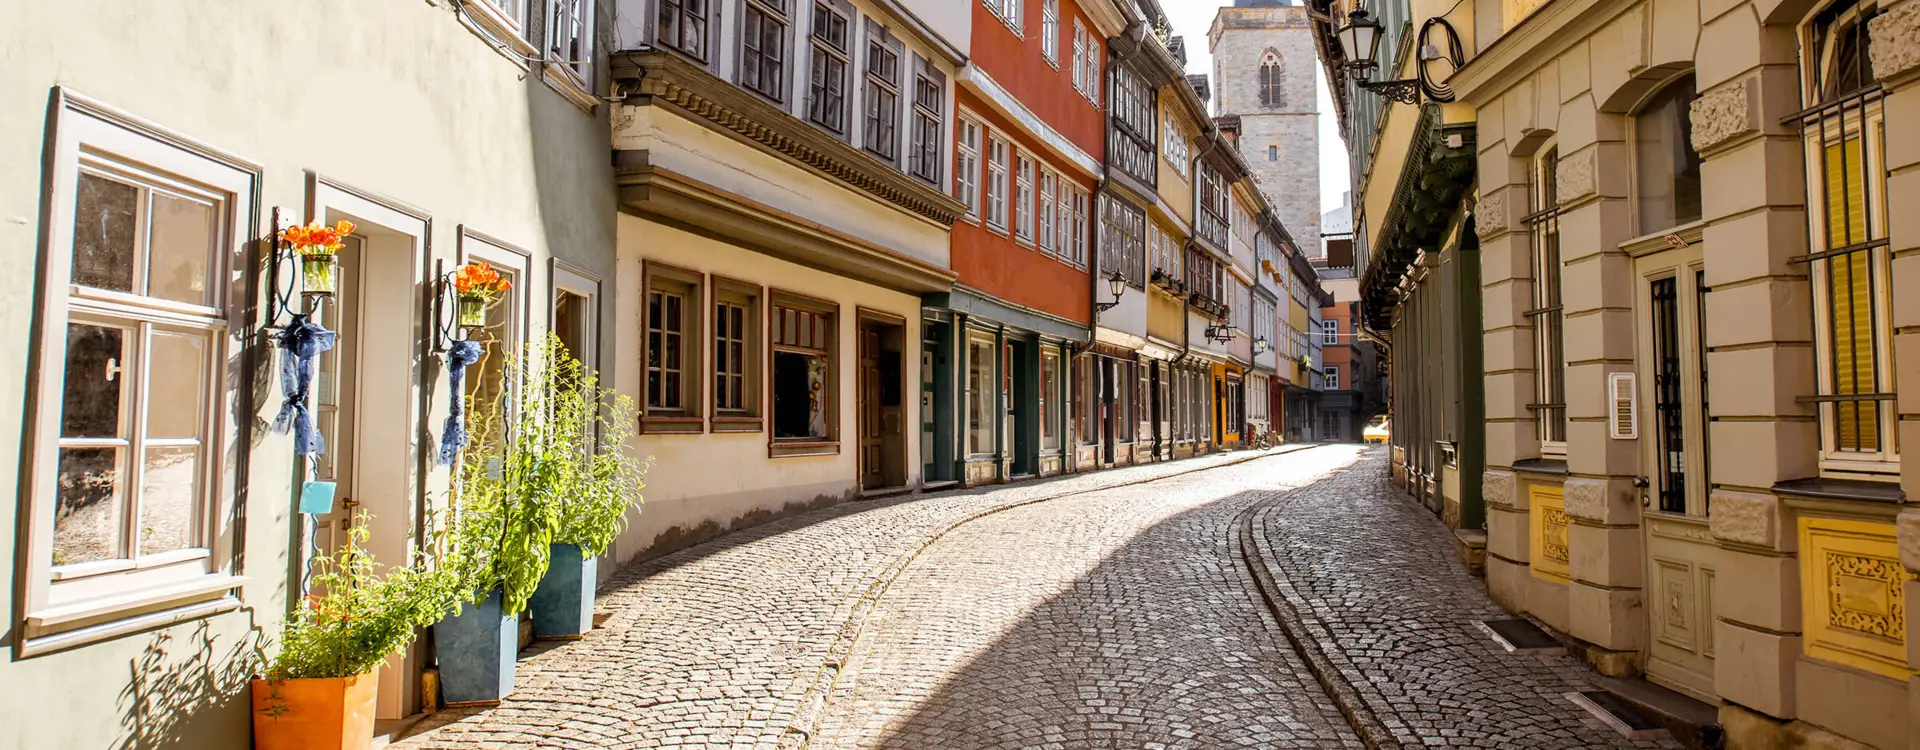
1360, 40
1117, 284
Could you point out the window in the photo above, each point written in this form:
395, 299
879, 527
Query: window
1080, 200
1332, 375
1050, 31
490, 382
929, 101
1273, 82
966, 165
1086, 63
1122, 240
1050, 396
1049, 192
996, 182
736, 356
1543, 226
682, 25
1213, 226
983, 392
763, 48
1205, 275
1063, 226
1130, 140
1273, 152
1330, 426
1330, 332
570, 38
129, 469
1666, 168
1165, 254
1023, 198
1123, 385
1009, 13
803, 381
827, 91
1844, 137
883, 94
1087, 399
673, 358
1174, 145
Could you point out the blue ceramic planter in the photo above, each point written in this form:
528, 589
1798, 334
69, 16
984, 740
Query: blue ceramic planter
562, 606
477, 649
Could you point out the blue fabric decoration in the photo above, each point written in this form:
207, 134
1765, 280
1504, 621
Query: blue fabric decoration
454, 438
303, 341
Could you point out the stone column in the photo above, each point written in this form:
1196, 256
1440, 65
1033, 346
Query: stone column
1506, 287
1759, 358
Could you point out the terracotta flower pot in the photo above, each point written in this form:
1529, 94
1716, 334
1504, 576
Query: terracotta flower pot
334, 713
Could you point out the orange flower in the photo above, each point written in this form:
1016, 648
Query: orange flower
315, 238
479, 279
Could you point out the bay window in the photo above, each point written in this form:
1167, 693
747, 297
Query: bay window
882, 97
929, 102
682, 26
827, 89
763, 47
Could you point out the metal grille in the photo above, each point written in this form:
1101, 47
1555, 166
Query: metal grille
1543, 227
1706, 415
1669, 417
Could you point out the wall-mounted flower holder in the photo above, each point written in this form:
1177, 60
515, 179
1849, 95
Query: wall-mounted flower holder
471, 310
306, 261
317, 275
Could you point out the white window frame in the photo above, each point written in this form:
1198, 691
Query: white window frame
578, 16
1330, 332
1174, 145
1050, 32
1080, 202
1079, 56
75, 606
1008, 11
999, 152
1023, 220
966, 165
1331, 376
1049, 189
1063, 225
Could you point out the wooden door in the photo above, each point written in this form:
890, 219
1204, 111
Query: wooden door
872, 458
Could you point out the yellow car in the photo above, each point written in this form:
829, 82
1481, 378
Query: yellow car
1377, 433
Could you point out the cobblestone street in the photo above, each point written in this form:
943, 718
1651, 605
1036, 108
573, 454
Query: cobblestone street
1117, 609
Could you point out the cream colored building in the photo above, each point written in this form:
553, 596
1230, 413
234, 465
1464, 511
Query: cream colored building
1692, 222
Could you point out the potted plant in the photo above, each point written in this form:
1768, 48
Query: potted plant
588, 426
319, 690
319, 249
499, 539
475, 287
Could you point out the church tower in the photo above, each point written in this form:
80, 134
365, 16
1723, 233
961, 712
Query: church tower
1263, 71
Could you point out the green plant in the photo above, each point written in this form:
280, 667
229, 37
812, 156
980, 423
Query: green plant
590, 429
359, 617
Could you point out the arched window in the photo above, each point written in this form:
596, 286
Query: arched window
1273, 81
1666, 168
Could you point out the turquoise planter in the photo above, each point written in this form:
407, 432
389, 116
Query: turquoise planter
563, 605
477, 649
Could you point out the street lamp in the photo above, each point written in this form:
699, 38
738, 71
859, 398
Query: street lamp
1360, 41
1260, 345
1117, 285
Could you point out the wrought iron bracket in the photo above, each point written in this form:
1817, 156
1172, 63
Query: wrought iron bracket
1404, 91
1105, 306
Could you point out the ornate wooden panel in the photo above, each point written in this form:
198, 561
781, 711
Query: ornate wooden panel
1548, 537
1854, 594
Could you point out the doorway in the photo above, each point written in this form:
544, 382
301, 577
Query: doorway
883, 450
1681, 556
1023, 407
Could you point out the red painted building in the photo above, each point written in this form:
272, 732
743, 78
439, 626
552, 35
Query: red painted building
1029, 133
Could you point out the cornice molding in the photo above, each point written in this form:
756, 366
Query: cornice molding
665, 78
1004, 104
1538, 37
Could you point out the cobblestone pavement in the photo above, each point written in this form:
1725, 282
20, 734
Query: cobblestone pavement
1117, 619
733, 644
1380, 593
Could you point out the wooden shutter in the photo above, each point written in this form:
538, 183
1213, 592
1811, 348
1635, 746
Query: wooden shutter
1624, 418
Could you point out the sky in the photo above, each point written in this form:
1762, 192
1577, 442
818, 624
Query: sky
1191, 19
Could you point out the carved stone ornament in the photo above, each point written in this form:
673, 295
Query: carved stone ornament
1746, 517
1866, 594
1490, 214
1554, 541
1724, 113
1587, 499
1907, 529
1496, 488
1896, 41
1574, 178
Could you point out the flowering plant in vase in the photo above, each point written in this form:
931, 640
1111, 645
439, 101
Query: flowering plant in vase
475, 286
318, 246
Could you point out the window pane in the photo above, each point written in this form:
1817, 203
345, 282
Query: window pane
176, 386
87, 517
180, 247
105, 219
799, 395
982, 394
169, 498
95, 375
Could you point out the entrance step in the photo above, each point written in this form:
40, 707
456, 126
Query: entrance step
1693, 723
1519, 635
1619, 713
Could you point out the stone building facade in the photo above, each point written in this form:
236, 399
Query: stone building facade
1263, 69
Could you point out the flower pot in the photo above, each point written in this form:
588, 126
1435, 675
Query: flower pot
476, 649
316, 274
562, 606
472, 310
335, 713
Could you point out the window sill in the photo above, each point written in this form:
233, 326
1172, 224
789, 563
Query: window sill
499, 32
569, 86
1857, 490
56, 628
672, 425
736, 424
799, 449
1547, 466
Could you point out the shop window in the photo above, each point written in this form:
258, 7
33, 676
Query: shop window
1050, 398
803, 382
763, 47
1844, 137
827, 88
1666, 168
736, 356
983, 392
1123, 387
672, 323
130, 433
1086, 388
682, 25
1550, 373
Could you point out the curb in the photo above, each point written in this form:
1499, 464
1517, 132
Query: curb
1359, 715
813, 704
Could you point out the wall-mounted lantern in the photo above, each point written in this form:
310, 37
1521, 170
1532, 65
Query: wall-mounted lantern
1260, 345
1360, 42
1116, 285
